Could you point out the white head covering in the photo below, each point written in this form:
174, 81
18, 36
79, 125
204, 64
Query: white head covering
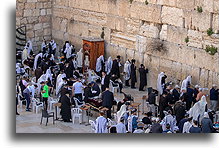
127, 70
30, 48
206, 115
109, 65
121, 112
99, 63
159, 86
36, 59
198, 109
67, 50
186, 81
80, 58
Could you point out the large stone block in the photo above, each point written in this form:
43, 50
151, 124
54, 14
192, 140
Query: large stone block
30, 5
149, 30
186, 4
215, 23
163, 32
124, 40
28, 12
150, 13
195, 38
38, 26
171, 3
176, 34
132, 25
172, 16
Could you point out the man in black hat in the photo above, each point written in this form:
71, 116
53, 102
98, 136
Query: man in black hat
115, 66
133, 74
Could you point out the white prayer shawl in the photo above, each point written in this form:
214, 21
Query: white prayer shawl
30, 48
185, 82
130, 119
52, 58
67, 50
198, 109
80, 58
49, 74
99, 63
24, 54
53, 43
127, 70
101, 125
120, 128
109, 65
169, 119
121, 112
58, 81
36, 59
59, 86
41, 79
159, 85
138, 131
186, 127
75, 64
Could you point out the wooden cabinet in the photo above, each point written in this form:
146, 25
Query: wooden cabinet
92, 49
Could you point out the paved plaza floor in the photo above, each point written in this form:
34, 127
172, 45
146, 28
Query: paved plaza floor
29, 122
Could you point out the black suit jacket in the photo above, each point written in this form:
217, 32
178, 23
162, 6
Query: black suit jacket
107, 97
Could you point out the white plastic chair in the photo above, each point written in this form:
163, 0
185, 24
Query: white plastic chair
39, 106
20, 102
51, 102
76, 103
113, 88
110, 122
93, 125
76, 113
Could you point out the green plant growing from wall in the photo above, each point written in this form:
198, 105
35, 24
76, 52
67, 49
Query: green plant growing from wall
211, 49
199, 9
187, 39
130, 1
146, 2
210, 31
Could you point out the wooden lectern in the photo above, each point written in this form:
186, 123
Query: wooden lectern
92, 49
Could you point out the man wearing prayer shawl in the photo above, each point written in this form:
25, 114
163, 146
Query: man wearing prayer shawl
132, 121
115, 67
30, 47
67, 50
101, 124
169, 119
37, 60
161, 82
43, 46
80, 60
187, 125
127, 71
109, 65
52, 47
100, 65
133, 74
186, 82
198, 110
143, 77
120, 127
24, 53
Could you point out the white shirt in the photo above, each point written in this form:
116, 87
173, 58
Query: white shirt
78, 87
186, 127
120, 128
101, 125
31, 89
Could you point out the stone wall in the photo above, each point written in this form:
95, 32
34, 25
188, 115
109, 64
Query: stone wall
153, 32
36, 16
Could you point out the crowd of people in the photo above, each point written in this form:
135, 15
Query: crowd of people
171, 108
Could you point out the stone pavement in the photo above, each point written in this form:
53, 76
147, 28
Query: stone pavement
29, 122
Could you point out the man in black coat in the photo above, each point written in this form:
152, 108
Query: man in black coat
115, 67
104, 81
143, 77
214, 97
108, 98
133, 74
66, 106
96, 88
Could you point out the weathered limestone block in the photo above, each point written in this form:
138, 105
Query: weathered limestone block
124, 40
19, 13
94, 31
132, 25
207, 5
171, 3
56, 21
78, 29
123, 8
177, 71
47, 31
20, 6
32, 1
195, 38
215, 22
116, 23
36, 12
48, 11
149, 30
30, 5
39, 5
141, 44
197, 21
38, 33
46, 25
216, 6
186, 4
211, 40
63, 25
176, 34
38, 26
28, 12
150, 13
163, 32
172, 16
30, 34
44, 19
